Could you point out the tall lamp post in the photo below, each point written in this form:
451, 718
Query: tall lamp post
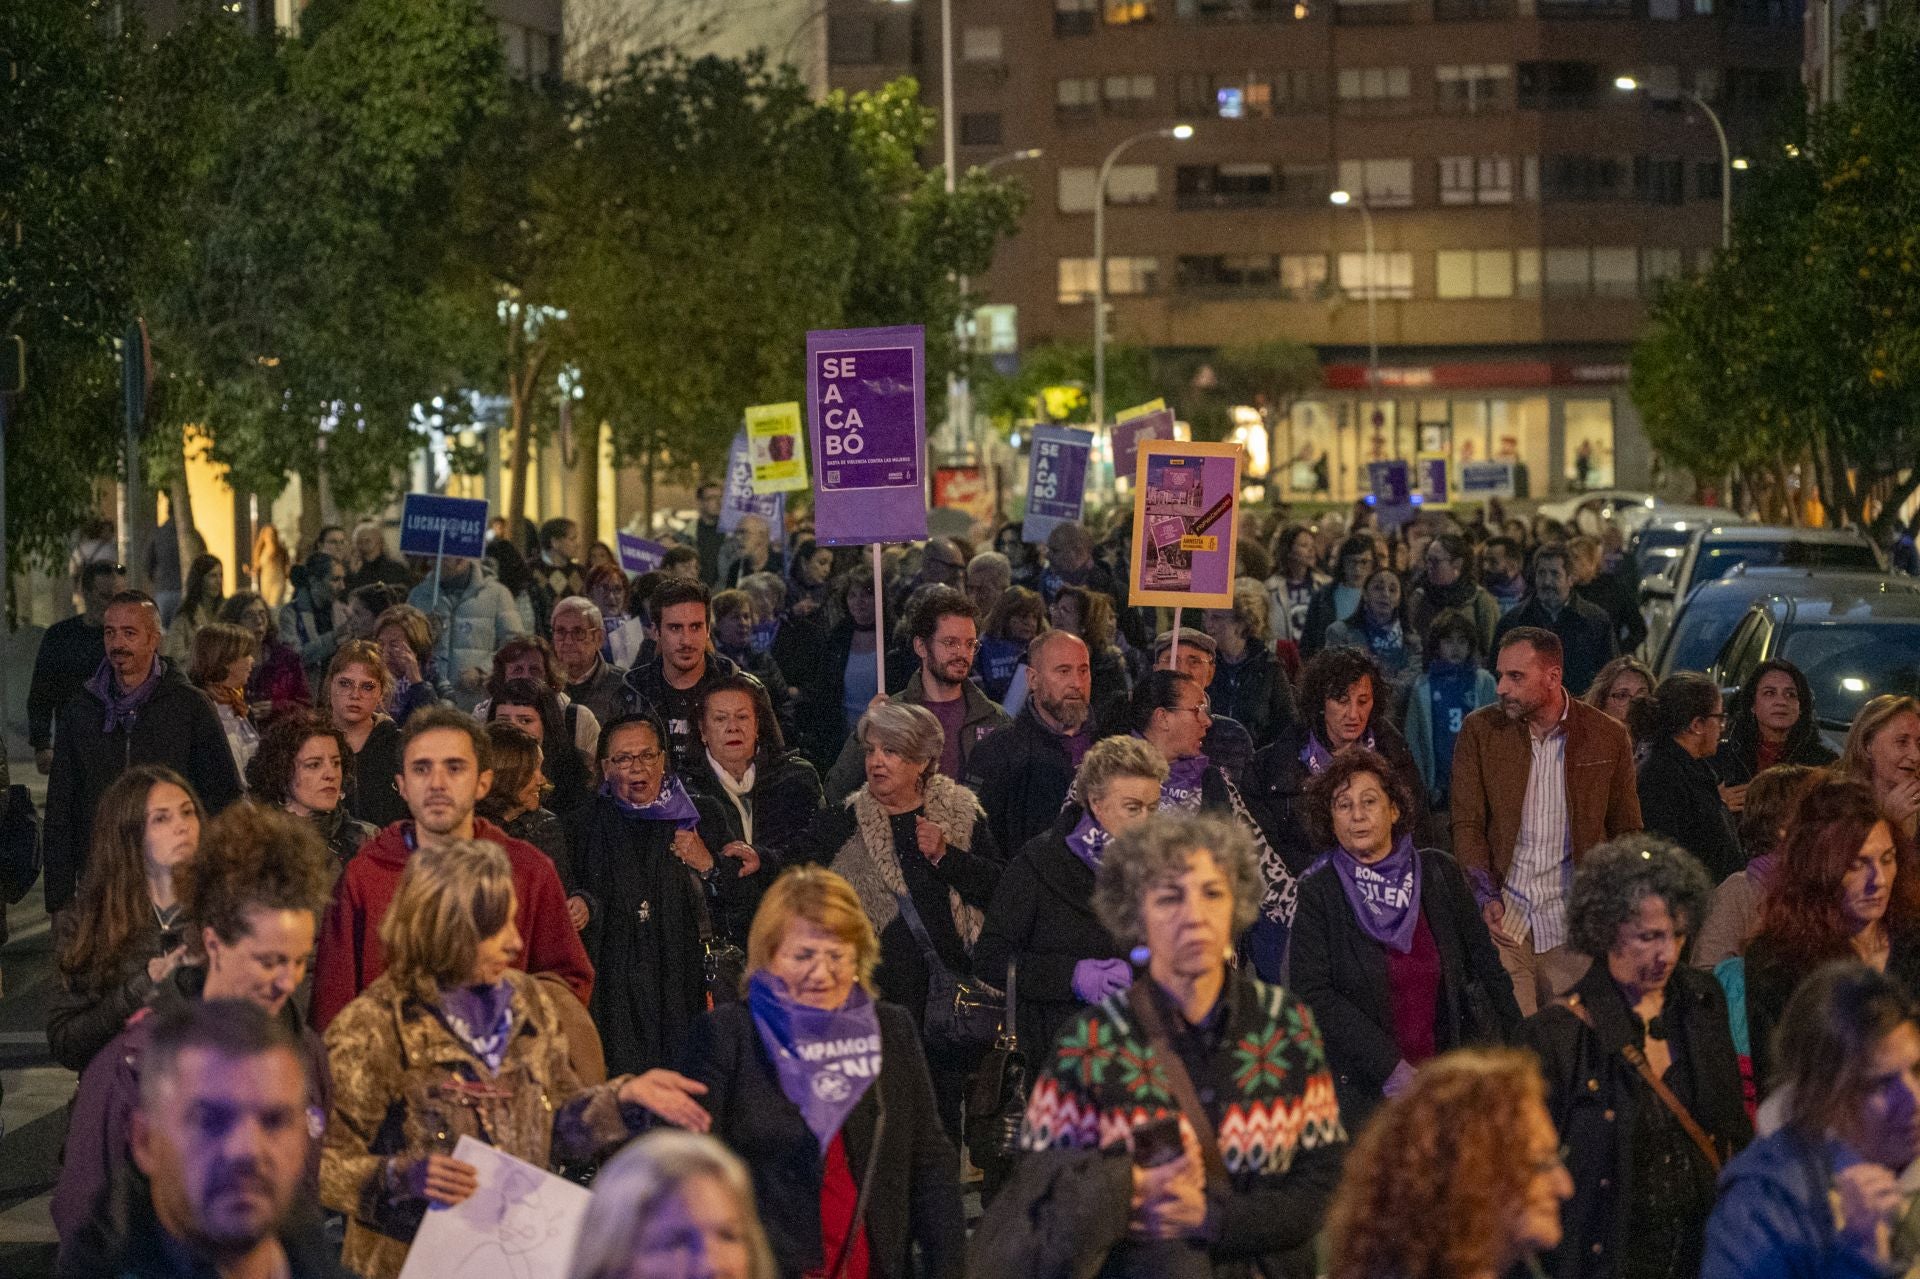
1628, 84
1344, 199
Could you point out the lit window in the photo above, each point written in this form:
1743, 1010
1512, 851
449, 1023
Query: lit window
980, 44
1391, 275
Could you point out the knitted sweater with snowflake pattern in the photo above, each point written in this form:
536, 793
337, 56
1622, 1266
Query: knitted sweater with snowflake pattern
1261, 1073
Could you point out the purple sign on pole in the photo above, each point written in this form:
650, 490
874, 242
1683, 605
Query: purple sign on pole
1157, 425
738, 500
1056, 479
638, 555
867, 419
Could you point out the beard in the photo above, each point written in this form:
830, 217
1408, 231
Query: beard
1069, 711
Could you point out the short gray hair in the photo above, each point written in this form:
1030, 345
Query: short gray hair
1615, 877
638, 1180
909, 731
1158, 850
767, 589
1114, 757
1000, 566
582, 605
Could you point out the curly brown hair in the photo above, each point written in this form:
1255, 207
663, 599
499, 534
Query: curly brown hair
270, 771
1329, 674
1347, 765
1803, 916
1428, 1185
251, 858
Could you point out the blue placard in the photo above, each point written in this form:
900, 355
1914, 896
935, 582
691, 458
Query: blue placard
435, 525
638, 554
1056, 480
1388, 481
1486, 479
738, 500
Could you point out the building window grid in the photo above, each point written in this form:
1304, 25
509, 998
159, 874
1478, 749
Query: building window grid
1126, 276
1473, 89
1383, 184
1390, 278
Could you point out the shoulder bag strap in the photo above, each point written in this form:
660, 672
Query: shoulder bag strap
1140, 1001
1638, 1060
918, 927
1009, 1033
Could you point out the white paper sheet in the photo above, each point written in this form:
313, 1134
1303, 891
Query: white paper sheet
520, 1224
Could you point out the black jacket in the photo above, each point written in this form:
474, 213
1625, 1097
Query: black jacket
1256, 692
1276, 782
343, 832
545, 831
1321, 613
1593, 1096
385, 570
648, 691
1042, 916
1617, 598
915, 1198
784, 800
1772, 977
1586, 633
126, 1241
815, 659
1680, 799
1020, 774
371, 796
177, 728
83, 1019
1738, 760
1341, 973
70, 652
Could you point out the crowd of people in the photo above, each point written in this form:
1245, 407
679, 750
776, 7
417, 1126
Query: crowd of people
1391, 921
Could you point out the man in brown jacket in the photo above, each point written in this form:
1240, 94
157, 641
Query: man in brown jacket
1538, 779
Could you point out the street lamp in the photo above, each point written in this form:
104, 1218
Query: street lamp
1627, 84
1179, 133
1343, 199
1011, 157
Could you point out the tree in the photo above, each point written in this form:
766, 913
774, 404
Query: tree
1268, 376
1054, 383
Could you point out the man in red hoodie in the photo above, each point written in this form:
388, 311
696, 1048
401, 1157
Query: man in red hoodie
444, 772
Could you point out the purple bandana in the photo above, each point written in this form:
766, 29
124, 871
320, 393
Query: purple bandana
122, 708
1316, 757
1089, 839
480, 1017
1760, 870
1181, 791
1386, 895
826, 1058
672, 804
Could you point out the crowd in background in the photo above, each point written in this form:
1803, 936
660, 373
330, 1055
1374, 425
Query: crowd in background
1395, 908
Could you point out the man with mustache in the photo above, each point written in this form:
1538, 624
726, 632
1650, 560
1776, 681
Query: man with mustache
445, 769
251, 900
1022, 772
136, 709
945, 634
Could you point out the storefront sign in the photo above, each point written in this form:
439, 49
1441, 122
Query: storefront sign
963, 488
1056, 479
1186, 520
866, 400
1486, 479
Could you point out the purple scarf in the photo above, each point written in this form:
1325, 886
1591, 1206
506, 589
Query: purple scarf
1386, 895
480, 1017
1089, 839
1181, 791
122, 708
826, 1058
1760, 870
672, 804
1316, 756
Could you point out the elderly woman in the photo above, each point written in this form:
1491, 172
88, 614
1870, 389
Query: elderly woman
669, 1205
1620, 683
222, 663
824, 1091
1883, 750
915, 846
1041, 923
1770, 721
1734, 917
452, 1041
279, 681
405, 637
1458, 1177
1388, 947
1639, 1042
1197, 1044
1679, 792
1847, 887
646, 858
355, 694
303, 766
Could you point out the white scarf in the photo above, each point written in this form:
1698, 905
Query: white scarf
740, 792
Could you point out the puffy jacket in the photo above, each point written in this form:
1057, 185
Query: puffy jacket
470, 623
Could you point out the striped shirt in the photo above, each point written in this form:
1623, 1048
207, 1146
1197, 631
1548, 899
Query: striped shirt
1542, 871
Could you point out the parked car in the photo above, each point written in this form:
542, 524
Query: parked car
1853, 640
1586, 512
1662, 536
1707, 617
1712, 552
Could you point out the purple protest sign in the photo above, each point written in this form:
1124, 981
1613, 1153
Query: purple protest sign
1056, 480
637, 554
738, 500
1128, 434
1186, 520
866, 409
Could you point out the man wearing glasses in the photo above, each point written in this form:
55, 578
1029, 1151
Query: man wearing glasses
70, 652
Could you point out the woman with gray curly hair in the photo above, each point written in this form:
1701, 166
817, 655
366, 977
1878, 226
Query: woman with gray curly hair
1217, 1081
1642, 1079
915, 845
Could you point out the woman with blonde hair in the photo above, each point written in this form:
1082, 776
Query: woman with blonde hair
1458, 1177
405, 637
223, 658
1620, 683
672, 1204
453, 1041
1883, 750
353, 698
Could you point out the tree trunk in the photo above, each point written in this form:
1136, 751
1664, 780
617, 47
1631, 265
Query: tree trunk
586, 481
180, 499
646, 493
518, 455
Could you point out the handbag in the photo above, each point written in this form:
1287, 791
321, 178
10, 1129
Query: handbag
962, 1012
19, 845
1638, 1060
997, 1096
723, 965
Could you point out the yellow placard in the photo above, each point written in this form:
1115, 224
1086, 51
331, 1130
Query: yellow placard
1141, 410
777, 447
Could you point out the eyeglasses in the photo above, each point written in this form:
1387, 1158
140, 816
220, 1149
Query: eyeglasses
1202, 709
628, 760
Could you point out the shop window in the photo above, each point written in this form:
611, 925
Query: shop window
1381, 183
1589, 442
1390, 276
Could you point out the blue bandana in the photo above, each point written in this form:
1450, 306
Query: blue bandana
480, 1017
826, 1058
672, 804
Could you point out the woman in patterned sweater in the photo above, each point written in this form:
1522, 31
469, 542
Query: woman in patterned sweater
1248, 1186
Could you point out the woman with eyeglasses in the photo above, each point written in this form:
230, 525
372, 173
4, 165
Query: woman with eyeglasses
1680, 796
1620, 683
645, 858
1453, 582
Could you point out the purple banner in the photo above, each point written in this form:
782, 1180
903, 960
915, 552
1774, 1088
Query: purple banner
1127, 435
866, 408
738, 500
1056, 479
637, 554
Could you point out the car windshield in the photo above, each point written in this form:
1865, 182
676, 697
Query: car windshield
1716, 559
1654, 547
1848, 664
1703, 626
